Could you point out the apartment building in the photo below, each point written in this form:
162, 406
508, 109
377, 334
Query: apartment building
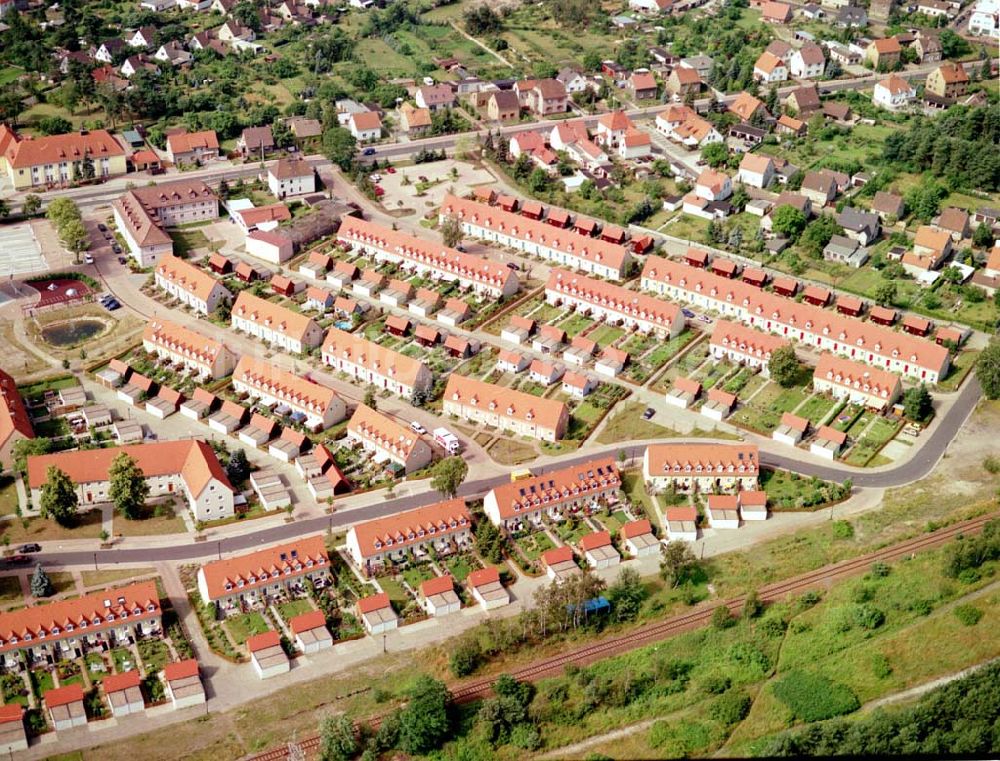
291, 177
205, 357
67, 629
477, 273
59, 159
256, 576
377, 544
814, 326
189, 284
701, 467
536, 237
746, 346
505, 409
275, 324
368, 362
861, 384
527, 502
613, 304
147, 241
187, 469
389, 441
314, 406
15, 422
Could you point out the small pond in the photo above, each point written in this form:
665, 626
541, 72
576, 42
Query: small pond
72, 332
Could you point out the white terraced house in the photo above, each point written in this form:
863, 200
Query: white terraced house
388, 440
368, 362
743, 345
823, 329
505, 409
477, 273
614, 304
514, 505
530, 236
275, 324
702, 467
71, 628
201, 355
314, 406
860, 383
190, 285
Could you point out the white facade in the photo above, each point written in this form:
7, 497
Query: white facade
298, 185
892, 99
203, 305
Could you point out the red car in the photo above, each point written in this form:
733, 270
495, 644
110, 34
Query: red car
379, 192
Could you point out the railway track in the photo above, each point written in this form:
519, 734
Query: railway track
481, 688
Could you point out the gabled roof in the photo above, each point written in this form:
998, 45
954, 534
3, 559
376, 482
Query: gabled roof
371, 425
404, 529
470, 392
768, 62
483, 576
61, 696
360, 351
613, 297
595, 540
745, 105
194, 460
633, 529
372, 603
185, 142
615, 121
758, 164
304, 622
437, 586
283, 385
735, 459
186, 276
896, 85
857, 376
257, 569
24, 152
14, 416
734, 336
181, 670
274, 316
565, 484
263, 641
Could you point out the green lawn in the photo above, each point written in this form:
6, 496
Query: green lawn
10, 591
244, 626
415, 575
789, 399
186, 241
575, 324
846, 417
665, 352
292, 608
571, 535
397, 594
41, 682
533, 545
459, 567
790, 490
880, 432
816, 408
605, 335
123, 659
613, 522
95, 659
637, 344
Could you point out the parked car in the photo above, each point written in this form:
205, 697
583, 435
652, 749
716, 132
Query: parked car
375, 177
17, 560
122, 260
116, 248
513, 266
102, 227
88, 259
112, 304
368, 152
30, 547
390, 170
415, 426
648, 413
688, 313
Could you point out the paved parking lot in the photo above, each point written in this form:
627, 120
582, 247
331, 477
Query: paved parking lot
19, 251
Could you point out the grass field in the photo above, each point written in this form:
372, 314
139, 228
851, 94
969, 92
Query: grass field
186, 241
103, 578
292, 608
397, 594
10, 591
626, 424
511, 452
575, 324
605, 335
816, 408
881, 431
415, 575
154, 653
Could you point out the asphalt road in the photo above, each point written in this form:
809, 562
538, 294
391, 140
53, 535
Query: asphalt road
912, 470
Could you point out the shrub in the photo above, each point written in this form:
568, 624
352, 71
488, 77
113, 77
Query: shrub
716, 684
730, 708
868, 617
811, 697
722, 618
992, 464
880, 570
842, 530
922, 607
880, 666
772, 627
676, 740
465, 657
809, 598
968, 614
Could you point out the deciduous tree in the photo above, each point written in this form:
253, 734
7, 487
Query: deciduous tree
988, 369
128, 489
784, 367
58, 498
677, 563
448, 475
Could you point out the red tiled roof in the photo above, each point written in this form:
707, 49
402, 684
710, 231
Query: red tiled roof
483, 576
595, 540
437, 586
181, 340
314, 619
186, 276
61, 696
360, 351
545, 413
741, 459
186, 142
831, 434
745, 340
522, 228
181, 670
263, 641
374, 602
552, 488
794, 422
258, 568
10, 713
419, 525
78, 615
119, 682
614, 298
371, 425
278, 318
557, 555
633, 529
13, 412
22, 153
681, 514
858, 376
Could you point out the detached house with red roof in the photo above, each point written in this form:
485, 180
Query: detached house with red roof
188, 469
257, 576
192, 147
883, 54
15, 422
366, 126
378, 544
769, 68
893, 93
529, 502
71, 628
702, 467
